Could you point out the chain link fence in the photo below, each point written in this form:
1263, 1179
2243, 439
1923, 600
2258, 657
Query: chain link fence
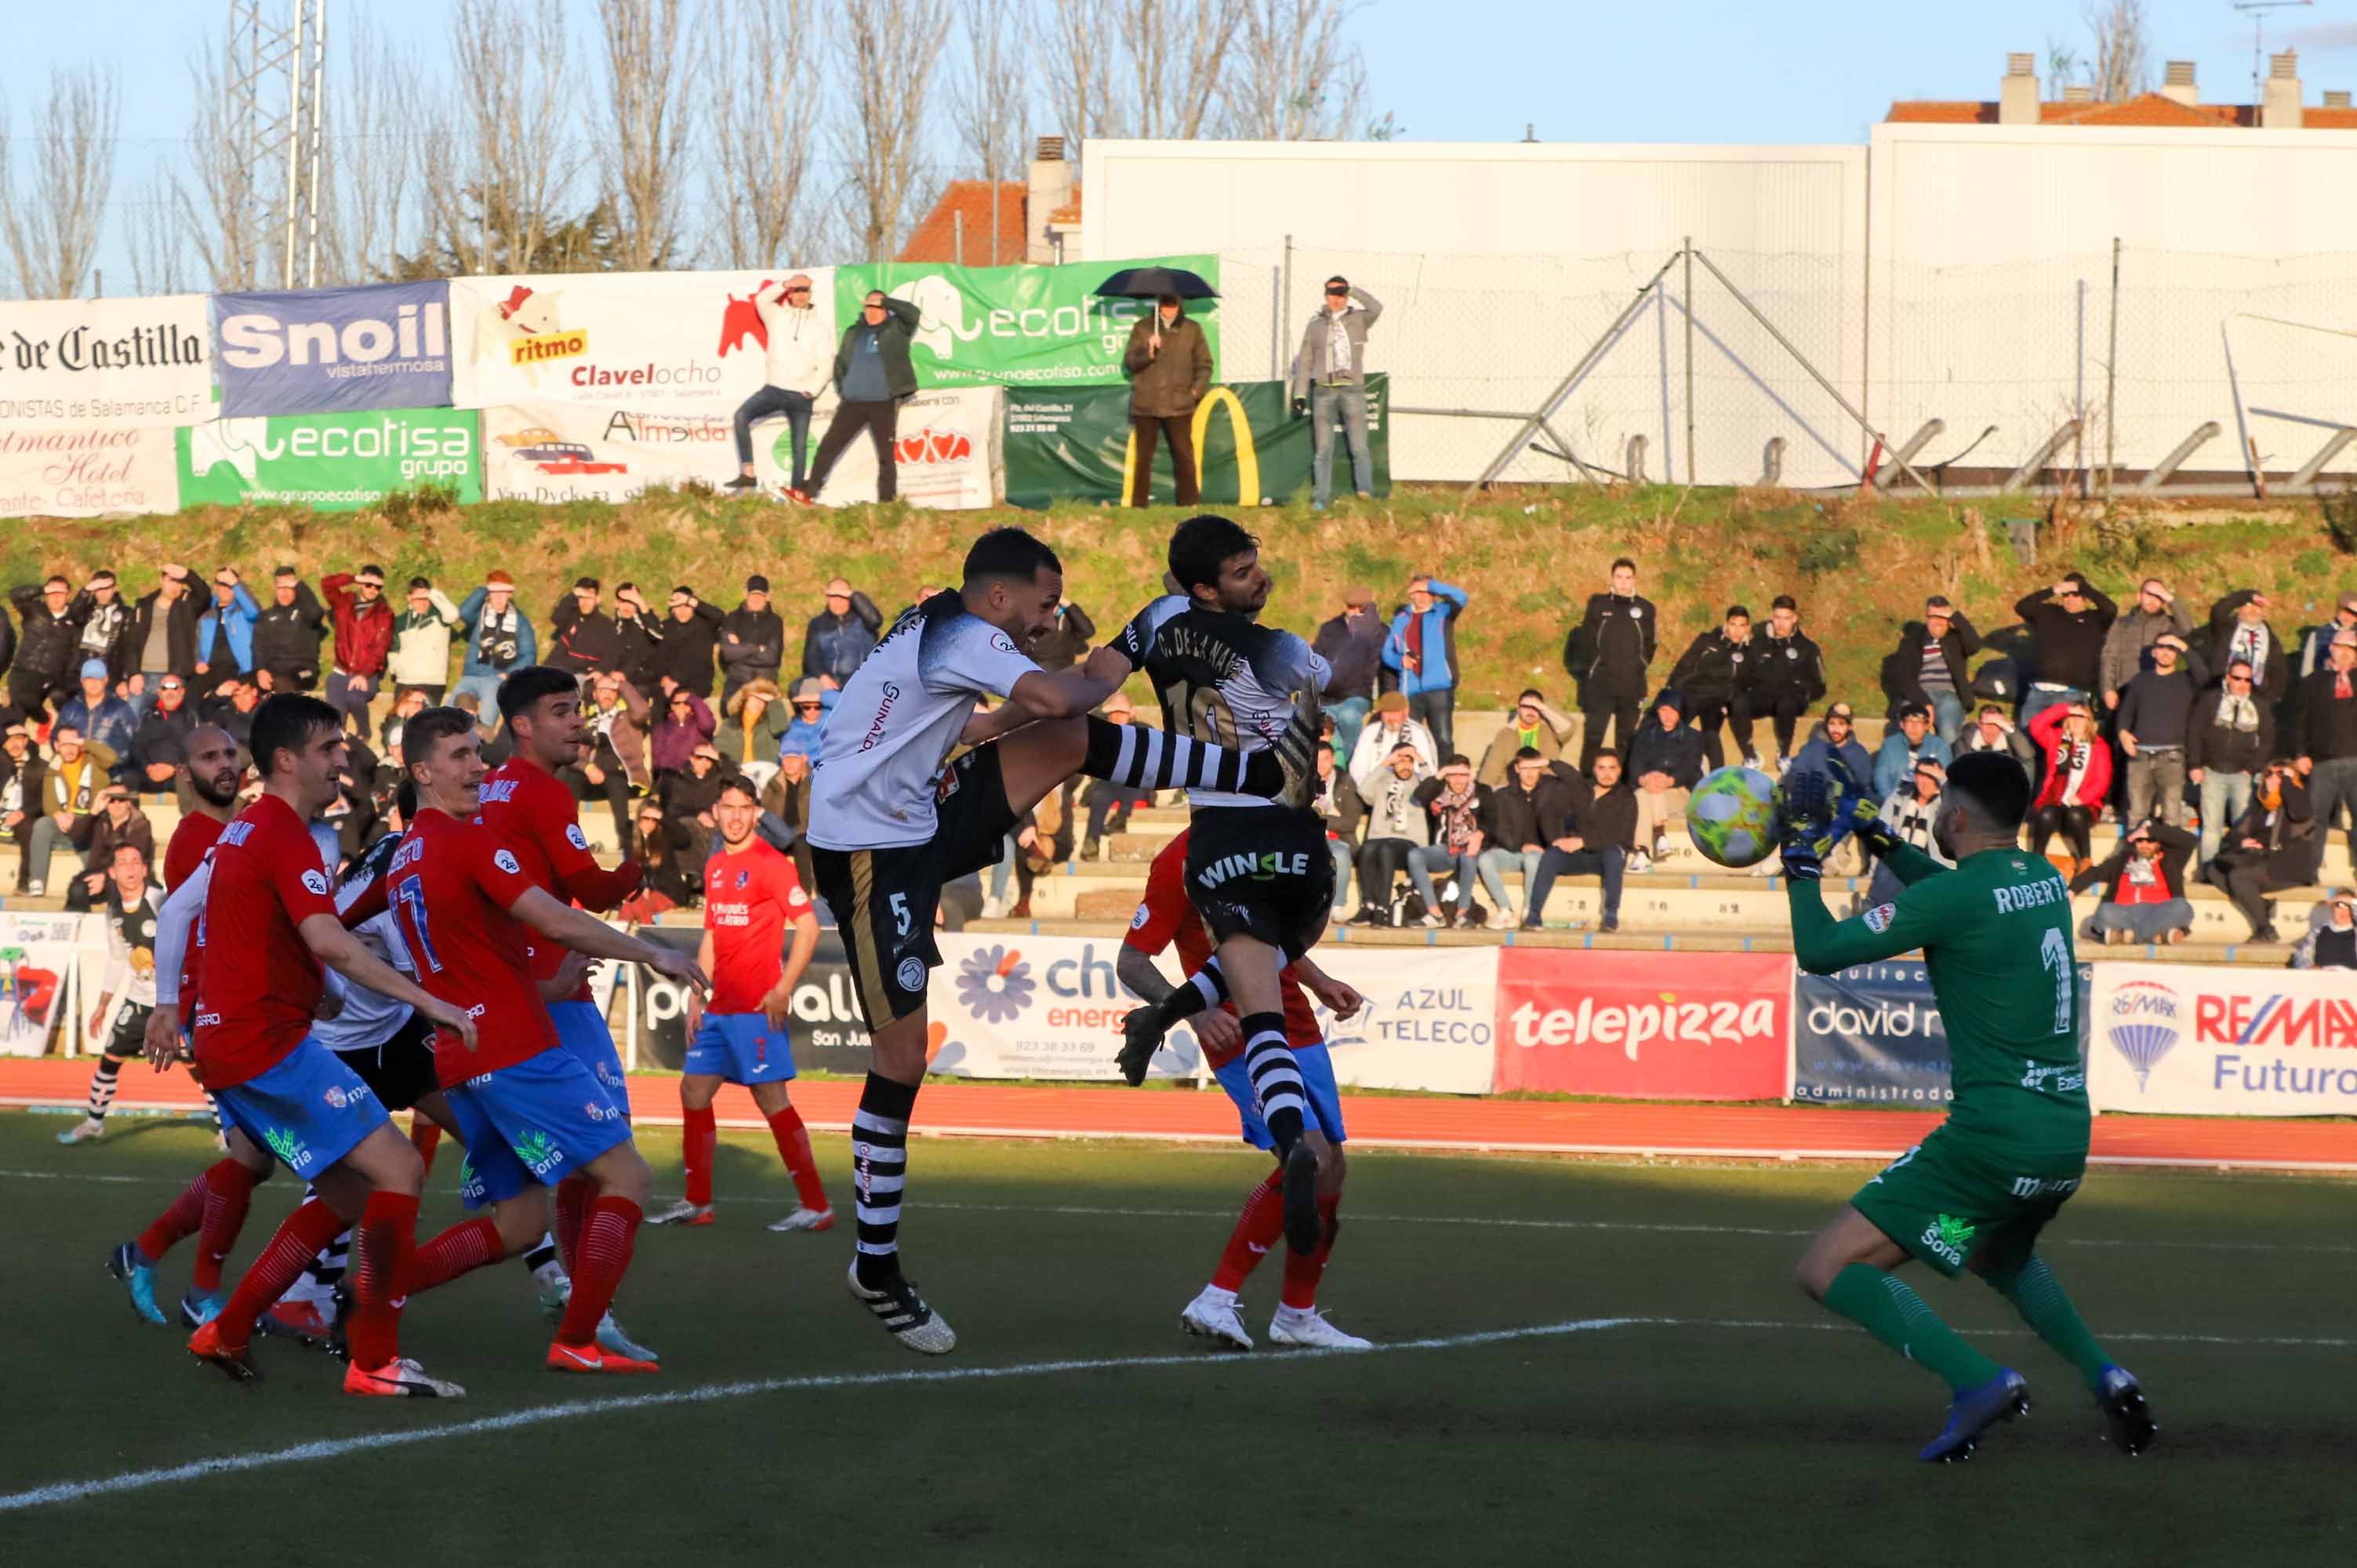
1976, 372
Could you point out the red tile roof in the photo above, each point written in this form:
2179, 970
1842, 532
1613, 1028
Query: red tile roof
935, 239
2149, 109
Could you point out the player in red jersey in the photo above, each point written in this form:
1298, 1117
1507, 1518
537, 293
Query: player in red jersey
271, 903
1167, 915
531, 1111
539, 821
751, 895
215, 1202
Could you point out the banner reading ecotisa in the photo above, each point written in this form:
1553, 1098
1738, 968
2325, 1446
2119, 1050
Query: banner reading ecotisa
329, 462
382, 346
1019, 326
1077, 444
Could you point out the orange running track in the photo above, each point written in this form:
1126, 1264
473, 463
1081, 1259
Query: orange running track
1728, 1132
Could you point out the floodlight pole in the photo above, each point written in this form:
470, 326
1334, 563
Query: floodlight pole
1690, 332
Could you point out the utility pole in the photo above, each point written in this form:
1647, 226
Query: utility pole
278, 57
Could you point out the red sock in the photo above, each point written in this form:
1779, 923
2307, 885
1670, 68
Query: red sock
1302, 1274
697, 1141
1258, 1229
606, 1241
469, 1245
572, 1209
290, 1252
180, 1220
426, 1136
794, 1148
230, 1194
384, 1257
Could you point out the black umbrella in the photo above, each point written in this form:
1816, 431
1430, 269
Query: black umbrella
1152, 283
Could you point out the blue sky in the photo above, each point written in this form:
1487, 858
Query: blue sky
1634, 70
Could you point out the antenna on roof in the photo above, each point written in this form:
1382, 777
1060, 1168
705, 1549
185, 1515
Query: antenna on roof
2257, 10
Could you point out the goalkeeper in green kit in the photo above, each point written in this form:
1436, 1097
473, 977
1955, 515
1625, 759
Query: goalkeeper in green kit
1995, 935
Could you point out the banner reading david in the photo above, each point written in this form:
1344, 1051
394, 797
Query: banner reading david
326, 350
1020, 324
105, 364
667, 343
2233, 1041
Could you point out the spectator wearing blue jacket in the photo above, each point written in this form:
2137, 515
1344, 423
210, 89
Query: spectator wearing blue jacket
1836, 733
499, 638
813, 701
225, 634
99, 715
1903, 747
1422, 652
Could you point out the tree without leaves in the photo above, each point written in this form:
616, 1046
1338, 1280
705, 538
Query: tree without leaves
1296, 75
1155, 68
52, 229
885, 51
644, 150
2122, 65
760, 61
502, 155
369, 191
992, 105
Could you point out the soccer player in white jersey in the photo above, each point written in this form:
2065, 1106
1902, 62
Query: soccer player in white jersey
1257, 870
892, 819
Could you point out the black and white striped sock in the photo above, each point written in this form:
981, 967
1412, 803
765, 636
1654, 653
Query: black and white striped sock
541, 1254
102, 1088
879, 1173
328, 1266
214, 1106
1276, 1079
1144, 757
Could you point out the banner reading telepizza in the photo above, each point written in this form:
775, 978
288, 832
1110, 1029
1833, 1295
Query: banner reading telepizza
329, 462
946, 454
1075, 443
671, 343
1644, 1026
827, 1028
1428, 1022
106, 364
87, 472
2231, 1041
380, 346
1020, 324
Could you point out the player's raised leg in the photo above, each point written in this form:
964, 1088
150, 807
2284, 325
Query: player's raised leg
2023, 1279
211, 1207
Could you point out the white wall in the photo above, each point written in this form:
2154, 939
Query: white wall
1499, 264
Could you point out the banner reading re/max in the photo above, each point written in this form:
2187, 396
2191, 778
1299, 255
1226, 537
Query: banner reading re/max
1077, 444
1018, 324
2231, 1040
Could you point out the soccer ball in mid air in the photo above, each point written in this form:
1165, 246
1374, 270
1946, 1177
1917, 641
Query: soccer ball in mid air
1732, 816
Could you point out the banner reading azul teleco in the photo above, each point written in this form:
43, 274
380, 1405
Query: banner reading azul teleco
105, 364
1644, 1026
333, 350
2232, 1041
1042, 325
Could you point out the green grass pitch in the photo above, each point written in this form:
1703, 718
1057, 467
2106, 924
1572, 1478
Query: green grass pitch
1745, 1431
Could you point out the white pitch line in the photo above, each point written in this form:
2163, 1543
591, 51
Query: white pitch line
1478, 1221
538, 1415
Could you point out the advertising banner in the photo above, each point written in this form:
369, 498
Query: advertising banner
661, 342
325, 350
1011, 1006
1013, 326
329, 462
87, 472
547, 452
1644, 1026
1070, 443
2226, 1041
1428, 1022
106, 364
1871, 1035
37, 951
827, 1031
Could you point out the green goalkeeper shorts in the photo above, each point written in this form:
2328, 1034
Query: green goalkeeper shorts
1949, 1200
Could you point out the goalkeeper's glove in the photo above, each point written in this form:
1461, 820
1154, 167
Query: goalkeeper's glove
1866, 821
1803, 861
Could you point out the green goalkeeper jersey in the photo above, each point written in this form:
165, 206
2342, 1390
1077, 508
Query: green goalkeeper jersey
1995, 935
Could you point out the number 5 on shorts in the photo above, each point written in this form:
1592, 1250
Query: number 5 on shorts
900, 917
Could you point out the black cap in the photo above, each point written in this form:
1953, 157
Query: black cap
756, 584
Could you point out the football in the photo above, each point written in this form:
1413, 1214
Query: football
1732, 816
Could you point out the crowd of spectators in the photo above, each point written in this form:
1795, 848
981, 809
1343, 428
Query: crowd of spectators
2224, 749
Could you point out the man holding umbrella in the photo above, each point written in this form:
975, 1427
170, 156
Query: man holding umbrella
1168, 363
1330, 377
